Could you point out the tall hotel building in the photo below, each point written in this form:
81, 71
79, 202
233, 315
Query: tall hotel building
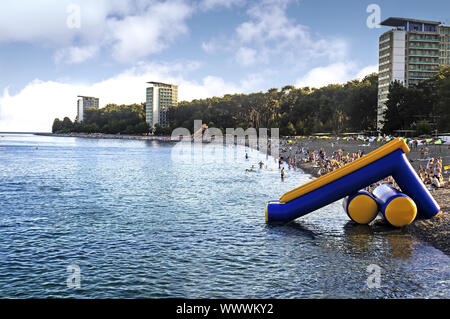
161, 97
411, 52
84, 102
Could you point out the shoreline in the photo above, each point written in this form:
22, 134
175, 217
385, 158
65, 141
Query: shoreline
434, 231
109, 136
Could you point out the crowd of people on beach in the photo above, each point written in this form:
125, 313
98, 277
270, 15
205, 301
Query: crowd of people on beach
297, 155
319, 158
432, 174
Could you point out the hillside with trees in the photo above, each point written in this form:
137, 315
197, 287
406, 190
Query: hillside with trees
423, 108
112, 119
335, 109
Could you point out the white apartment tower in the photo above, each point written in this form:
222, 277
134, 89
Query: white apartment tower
160, 98
411, 52
84, 102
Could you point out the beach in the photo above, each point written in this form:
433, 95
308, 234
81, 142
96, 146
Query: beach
435, 230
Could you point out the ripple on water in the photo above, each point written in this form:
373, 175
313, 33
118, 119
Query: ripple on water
140, 224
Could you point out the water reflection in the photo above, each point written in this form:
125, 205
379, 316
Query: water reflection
358, 238
292, 229
401, 245
369, 240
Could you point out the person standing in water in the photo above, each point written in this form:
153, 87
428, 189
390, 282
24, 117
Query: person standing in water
282, 174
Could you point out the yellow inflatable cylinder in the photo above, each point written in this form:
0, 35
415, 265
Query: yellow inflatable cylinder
398, 209
361, 207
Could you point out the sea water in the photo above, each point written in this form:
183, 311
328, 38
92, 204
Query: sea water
132, 219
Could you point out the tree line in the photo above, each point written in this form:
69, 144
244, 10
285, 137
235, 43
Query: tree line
335, 109
424, 108
112, 119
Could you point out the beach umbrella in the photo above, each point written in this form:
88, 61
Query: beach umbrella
438, 142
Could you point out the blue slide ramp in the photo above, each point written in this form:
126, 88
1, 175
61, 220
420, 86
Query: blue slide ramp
388, 160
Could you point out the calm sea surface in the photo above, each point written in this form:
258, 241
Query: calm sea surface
140, 222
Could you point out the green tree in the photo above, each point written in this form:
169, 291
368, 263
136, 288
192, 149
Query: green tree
66, 125
57, 126
397, 108
443, 104
423, 128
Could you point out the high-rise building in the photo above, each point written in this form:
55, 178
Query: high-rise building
414, 50
84, 102
161, 97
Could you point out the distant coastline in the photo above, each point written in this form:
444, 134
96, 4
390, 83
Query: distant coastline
109, 136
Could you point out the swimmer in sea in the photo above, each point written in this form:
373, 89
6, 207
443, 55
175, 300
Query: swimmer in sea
261, 164
252, 169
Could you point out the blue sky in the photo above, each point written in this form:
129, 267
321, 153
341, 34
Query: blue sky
51, 51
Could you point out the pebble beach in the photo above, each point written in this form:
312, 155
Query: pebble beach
435, 230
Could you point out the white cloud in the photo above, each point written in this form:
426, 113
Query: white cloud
138, 36
214, 4
335, 73
74, 55
268, 21
130, 29
367, 70
246, 56
269, 36
208, 47
45, 23
35, 107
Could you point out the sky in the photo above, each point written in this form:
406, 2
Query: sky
53, 50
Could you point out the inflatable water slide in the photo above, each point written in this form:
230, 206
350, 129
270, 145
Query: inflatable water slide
388, 160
